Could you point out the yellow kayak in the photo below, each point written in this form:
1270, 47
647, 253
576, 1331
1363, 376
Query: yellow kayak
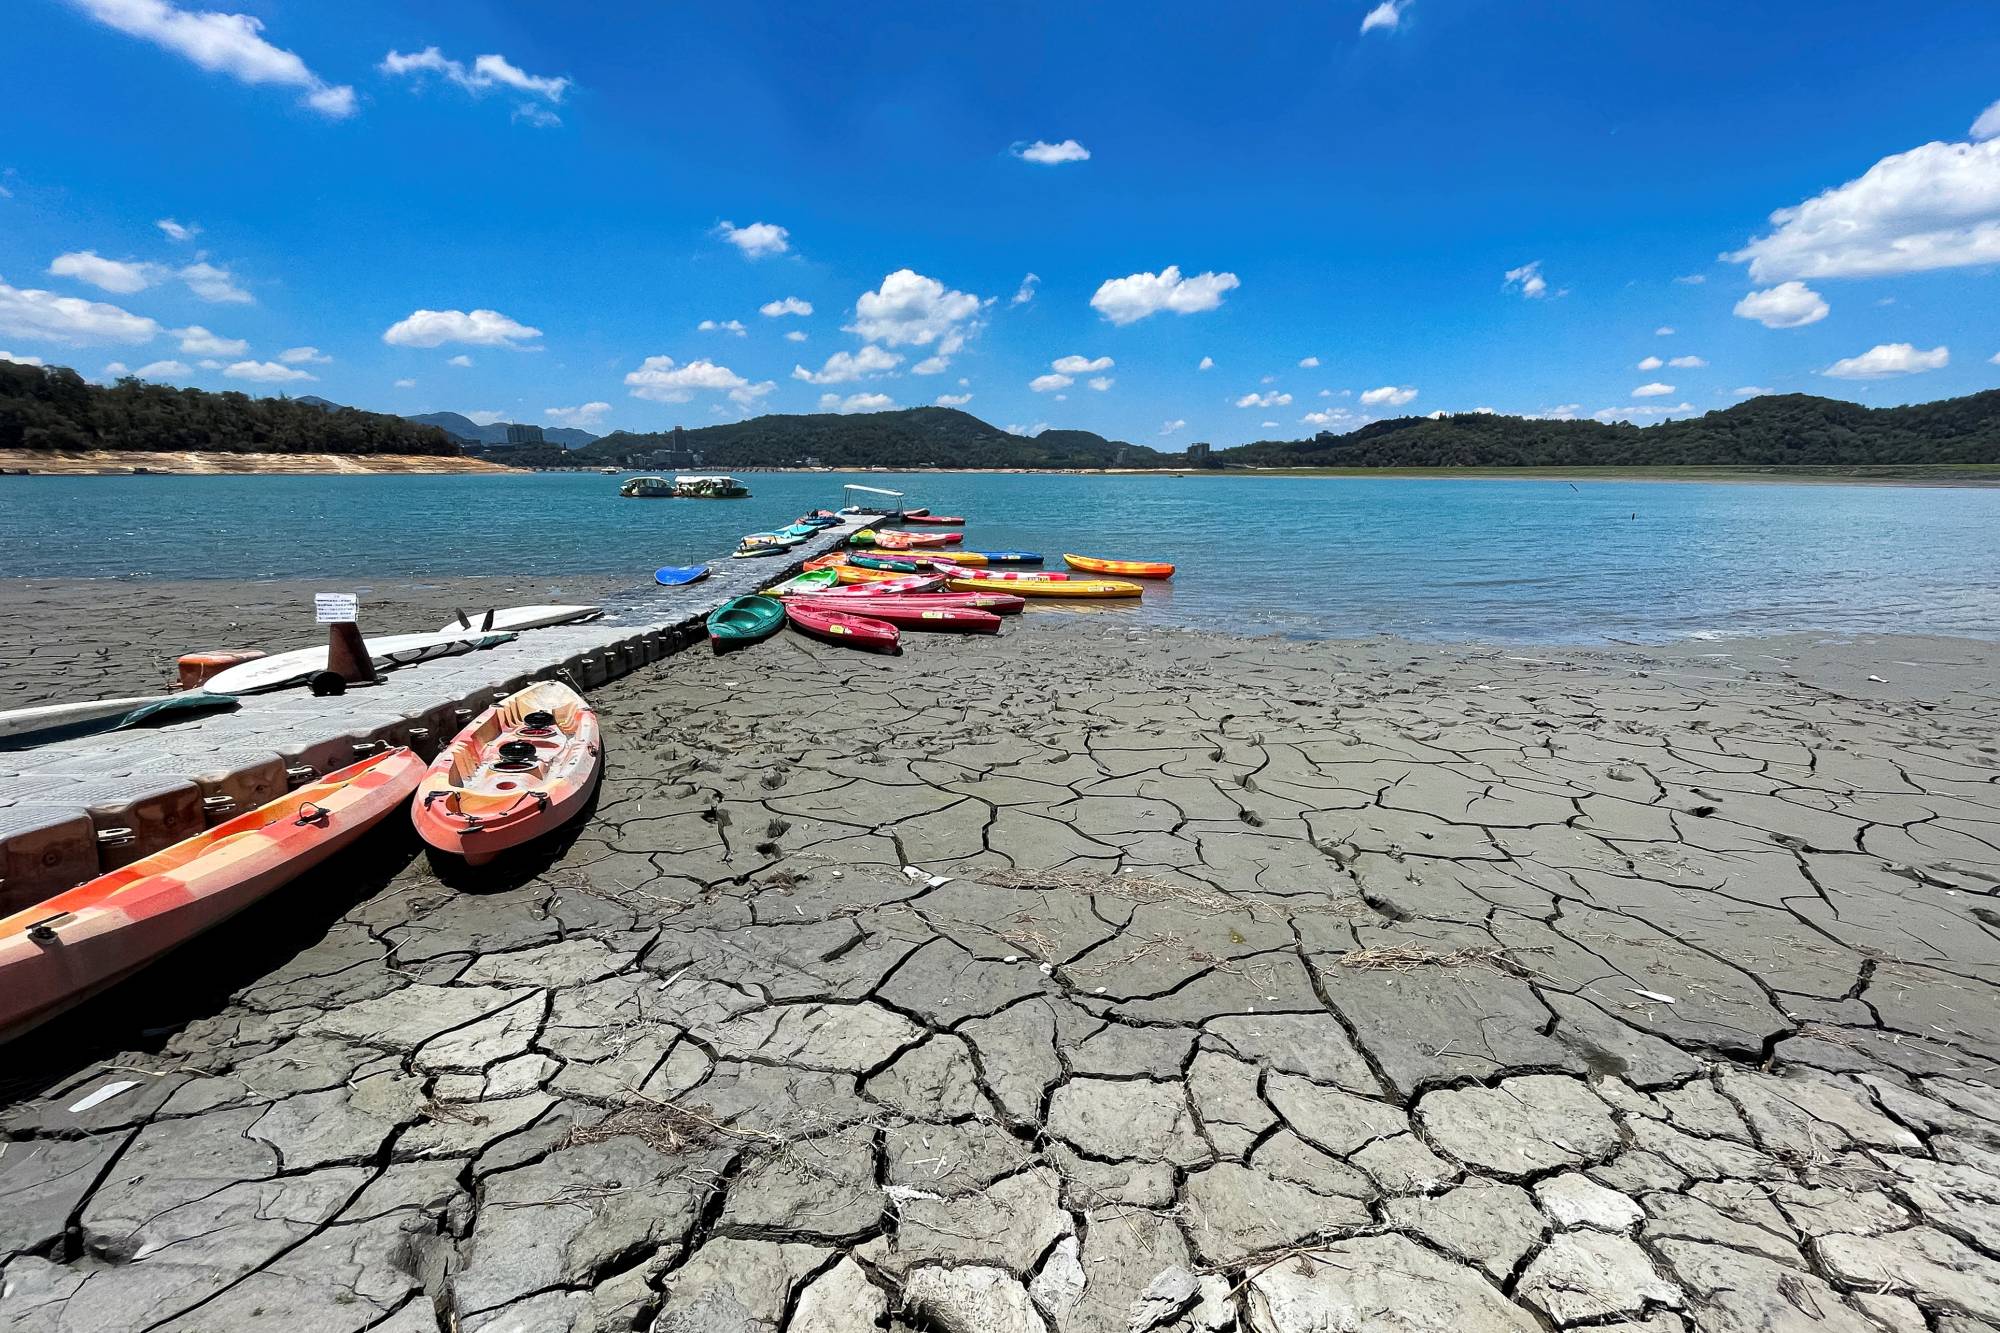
1053, 587
1131, 569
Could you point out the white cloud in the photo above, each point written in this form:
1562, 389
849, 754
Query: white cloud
1988, 124
1272, 399
1390, 394
116, 370
112, 275
1789, 305
1935, 206
1687, 363
1050, 383
1641, 413
434, 328
293, 356
1309, 363
485, 417
1101, 382
159, 370
1334, 418
1653, 390
734, 326
214, 284
1387, 16
1560, 412
1750, 391
1528, 280
796, 336
1080, 365
931, 365
198, 341
845, 367
953, 399
178, 231
487, 72
1026, 291
1027, 432
756, 240
462, 361
1206, 363
22, 359
266, 372
1130, 299
662, 381
1995, 358
208, 363
1051, 154
791, 305
587, 416
1169, 427
406, 384
1692, 279
855, 402
221, 44
1664, 331
1651, 363
909, 309
1887, 359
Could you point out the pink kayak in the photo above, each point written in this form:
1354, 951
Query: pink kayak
836, 626
999, 603
908, 613
977, 575
888, 587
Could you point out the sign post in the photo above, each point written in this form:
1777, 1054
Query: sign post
346, 652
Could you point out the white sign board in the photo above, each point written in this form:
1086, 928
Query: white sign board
336, 608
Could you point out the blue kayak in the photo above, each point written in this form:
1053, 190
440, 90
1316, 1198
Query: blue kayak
1004, 557
675, 575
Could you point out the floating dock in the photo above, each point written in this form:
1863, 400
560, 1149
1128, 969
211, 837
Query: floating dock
72, 809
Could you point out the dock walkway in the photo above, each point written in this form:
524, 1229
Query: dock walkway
72, 809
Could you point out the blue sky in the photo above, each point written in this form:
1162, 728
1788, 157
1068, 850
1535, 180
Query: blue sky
527, 211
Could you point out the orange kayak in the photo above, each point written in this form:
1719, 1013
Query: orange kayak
834, 561
1131, 569
522, 768
66, 948
1053, 587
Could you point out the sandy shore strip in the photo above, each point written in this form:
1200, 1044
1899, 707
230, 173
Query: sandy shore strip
1097, 977
121, 462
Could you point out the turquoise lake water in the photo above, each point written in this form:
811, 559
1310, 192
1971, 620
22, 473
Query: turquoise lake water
1526, 561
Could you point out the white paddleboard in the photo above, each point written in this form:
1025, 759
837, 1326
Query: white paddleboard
523, 617
43, 717
391, 650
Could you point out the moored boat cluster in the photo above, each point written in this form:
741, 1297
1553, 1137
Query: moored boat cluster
891, 580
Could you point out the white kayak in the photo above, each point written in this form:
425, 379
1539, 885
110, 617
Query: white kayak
391, 650
74, 716
520, 618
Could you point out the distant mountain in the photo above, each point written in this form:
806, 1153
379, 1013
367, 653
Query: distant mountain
913, 438
323, 404
1790, 429
465, 428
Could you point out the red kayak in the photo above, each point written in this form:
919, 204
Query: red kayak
837, 626
999, 603
914, 614
937, 520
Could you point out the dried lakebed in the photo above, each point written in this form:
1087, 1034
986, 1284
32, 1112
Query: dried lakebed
1238, 985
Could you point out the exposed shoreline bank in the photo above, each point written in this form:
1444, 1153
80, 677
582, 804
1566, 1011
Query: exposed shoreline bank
118, 462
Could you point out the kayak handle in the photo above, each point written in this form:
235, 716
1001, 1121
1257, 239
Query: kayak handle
311, 812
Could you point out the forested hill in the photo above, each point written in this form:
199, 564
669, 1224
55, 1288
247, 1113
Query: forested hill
1793, 429
914, 438
55, 408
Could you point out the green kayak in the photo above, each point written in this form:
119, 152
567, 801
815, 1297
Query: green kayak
811, 581
745, 620
885, 564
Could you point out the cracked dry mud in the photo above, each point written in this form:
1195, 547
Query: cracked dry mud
1241, 985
